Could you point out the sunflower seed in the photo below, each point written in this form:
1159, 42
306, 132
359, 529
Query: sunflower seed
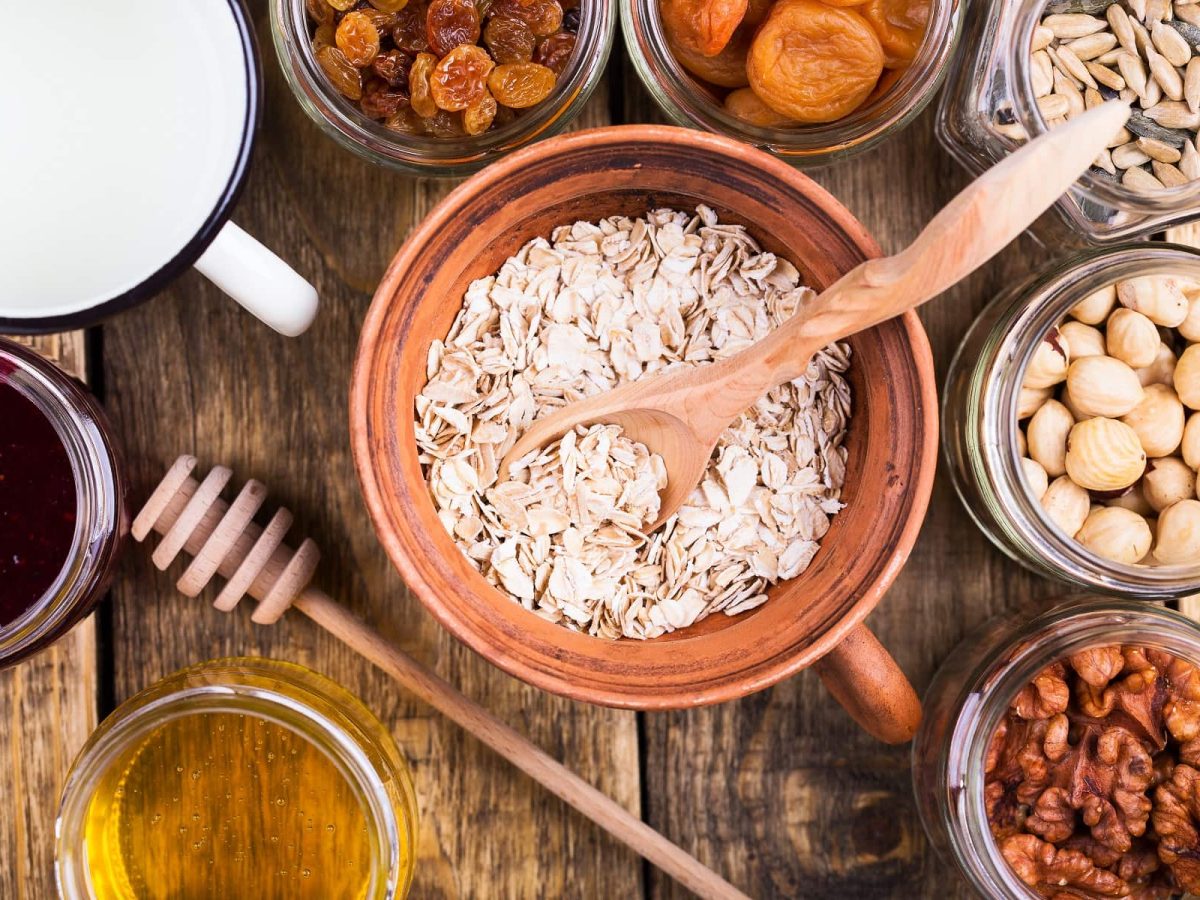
1158, 150
1094, 45
1063, 87
1042, 74
1118, 20
1092, 98
1153, 94
1187, 15
1042, 38
1168, 174
1138, 7
1110, 58
1013, 132
1170, 44
1140, 125
1072, 65
1141, 37
1072, 25
1157, 10
1105, 161
1189, 165
1191, 84
1140, 180
1102, 74
1055, 106
1128, 156
1121, 138
1134, 72
1173, 114
1167, 77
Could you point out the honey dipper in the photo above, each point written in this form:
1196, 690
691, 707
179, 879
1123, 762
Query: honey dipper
223, 539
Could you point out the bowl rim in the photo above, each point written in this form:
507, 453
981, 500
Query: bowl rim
364, 451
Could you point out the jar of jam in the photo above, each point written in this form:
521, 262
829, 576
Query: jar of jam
238, 778
63, 509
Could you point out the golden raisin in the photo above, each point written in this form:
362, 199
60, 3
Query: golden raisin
478, 117
900, 25
701, 26
725, 69
444, 124
510, 40
358, 39
324, 36
393, 67
555, 52
389, 6
408, 34
544, 17
406, 121
343, 76
380, 100
342, 5
449, 23
418, 85
460, 77
744, 104
812, 62
319, 11
521, 85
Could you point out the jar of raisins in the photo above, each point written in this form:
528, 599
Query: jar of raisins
982, 421
441, 87
1002, 92
63, 507
720, 93
970, 697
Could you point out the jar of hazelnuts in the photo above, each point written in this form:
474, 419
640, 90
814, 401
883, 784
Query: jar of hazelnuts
1072, 421
1057, 755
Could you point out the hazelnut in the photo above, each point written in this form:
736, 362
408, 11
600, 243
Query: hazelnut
1066, 504
1187, 377
1134, 500
1158, 421
1179, 533
1030, 400
1162, 370
1048, 365
1104, 455
1190, 327
1035, 477
1047, 436
1084, 340
1131, 338
1076, 413
1116, 534
1190, 445
1167, 481
1158, 297
1103, 386
1094, 308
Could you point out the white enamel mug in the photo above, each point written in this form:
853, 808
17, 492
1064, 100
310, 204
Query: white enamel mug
124, 144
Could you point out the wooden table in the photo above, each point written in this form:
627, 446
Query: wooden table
779, 792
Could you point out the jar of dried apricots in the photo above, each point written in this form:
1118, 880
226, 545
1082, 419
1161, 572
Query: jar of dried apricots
441, 87
1033, 64
808, 80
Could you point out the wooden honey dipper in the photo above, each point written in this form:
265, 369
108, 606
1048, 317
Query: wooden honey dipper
223, 539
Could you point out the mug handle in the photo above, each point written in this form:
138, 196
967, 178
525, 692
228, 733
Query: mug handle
259, 280
864, 678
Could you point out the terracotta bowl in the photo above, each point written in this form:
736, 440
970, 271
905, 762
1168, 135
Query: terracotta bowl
891, 440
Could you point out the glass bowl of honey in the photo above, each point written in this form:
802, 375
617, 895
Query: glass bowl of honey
238, 778
63, 510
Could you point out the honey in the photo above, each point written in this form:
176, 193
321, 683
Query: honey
243, 778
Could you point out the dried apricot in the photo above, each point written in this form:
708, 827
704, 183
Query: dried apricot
418, 85
544, 17
702, 26
342, 75
460, 77
358, 39
478, 117
389, 6
812, 62
449, 23
843, 2
900, 25
727, 68
748, 106
521, 85
758, 10
555, 52
408, 33
510, 40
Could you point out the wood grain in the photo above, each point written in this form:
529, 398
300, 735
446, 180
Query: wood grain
48, 707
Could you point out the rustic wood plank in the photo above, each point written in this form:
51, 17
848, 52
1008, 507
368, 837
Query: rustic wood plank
781, 792
190, 372
48, 707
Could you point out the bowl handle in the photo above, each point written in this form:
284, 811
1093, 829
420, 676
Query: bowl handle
862, 676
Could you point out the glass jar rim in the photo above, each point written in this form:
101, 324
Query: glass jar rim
1032, 309
99, 495
990, 686
1095, 187
217, 689
684, 101
421, 154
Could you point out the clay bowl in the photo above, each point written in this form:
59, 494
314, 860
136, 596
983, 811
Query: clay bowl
891, 440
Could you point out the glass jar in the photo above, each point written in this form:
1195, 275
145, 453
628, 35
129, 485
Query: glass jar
424, 154
266, 779
970, 694
101, 505
989, 108
688, 102
979, 421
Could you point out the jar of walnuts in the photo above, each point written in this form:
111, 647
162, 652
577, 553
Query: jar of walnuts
1057, 755
441, 87
811, 81
1072, 421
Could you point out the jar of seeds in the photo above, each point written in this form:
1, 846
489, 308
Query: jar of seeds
1082, 488
1035, 64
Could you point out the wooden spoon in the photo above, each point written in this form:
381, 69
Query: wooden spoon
682, 414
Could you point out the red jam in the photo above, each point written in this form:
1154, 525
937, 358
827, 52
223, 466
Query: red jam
37, 504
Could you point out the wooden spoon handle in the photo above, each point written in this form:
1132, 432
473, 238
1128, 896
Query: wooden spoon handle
864, 678
976, 225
